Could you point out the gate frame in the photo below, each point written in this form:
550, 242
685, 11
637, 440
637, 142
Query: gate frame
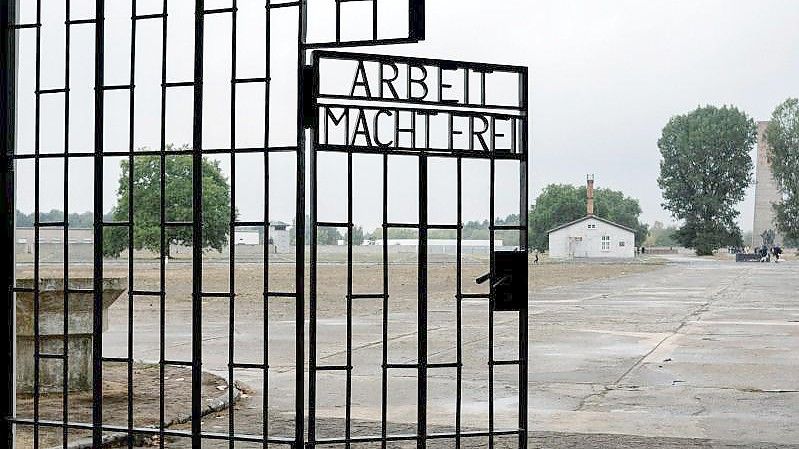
521, 155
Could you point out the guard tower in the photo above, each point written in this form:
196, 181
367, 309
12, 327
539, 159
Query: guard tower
767, 191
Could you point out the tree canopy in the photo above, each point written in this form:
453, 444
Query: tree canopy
178, 205
83, 220
782, 135
563, 203
705, 171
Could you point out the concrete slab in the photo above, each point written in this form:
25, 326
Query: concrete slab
724, 371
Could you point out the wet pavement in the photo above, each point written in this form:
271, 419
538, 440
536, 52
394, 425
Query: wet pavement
700, 349
697, 353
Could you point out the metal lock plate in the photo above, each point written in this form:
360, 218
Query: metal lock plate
510, 281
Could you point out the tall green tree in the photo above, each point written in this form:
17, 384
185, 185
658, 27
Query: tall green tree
146, 197
562, 203
704, 173
783, 138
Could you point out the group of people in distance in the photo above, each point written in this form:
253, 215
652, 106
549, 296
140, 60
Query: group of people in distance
765, 253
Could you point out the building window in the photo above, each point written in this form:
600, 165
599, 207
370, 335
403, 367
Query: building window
591, 226
621, 244
605, 243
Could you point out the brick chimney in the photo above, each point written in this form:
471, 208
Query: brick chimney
590, 195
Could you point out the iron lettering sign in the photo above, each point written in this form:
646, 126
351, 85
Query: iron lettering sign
381, 103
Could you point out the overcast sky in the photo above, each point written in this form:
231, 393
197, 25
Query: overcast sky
606, 76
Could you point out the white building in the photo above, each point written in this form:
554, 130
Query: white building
248, 237
591, 236
280, 237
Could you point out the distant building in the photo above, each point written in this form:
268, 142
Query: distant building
25, 237
247, 237
591, 236
279, 237
435, 242
439, 246
766, 191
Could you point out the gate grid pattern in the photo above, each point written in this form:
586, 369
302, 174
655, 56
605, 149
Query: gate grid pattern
32, 26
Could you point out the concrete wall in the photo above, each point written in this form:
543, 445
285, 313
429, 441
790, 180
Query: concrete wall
766, 191
581, 241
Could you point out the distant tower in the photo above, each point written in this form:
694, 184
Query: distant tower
766, 190
590, 195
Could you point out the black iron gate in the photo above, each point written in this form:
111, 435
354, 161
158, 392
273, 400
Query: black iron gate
29, 19
420, 110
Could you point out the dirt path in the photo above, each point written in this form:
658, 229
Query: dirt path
146, 404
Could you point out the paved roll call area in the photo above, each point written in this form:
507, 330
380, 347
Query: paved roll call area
699, 349
696, 353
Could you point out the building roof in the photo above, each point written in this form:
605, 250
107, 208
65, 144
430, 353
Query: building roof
580, 220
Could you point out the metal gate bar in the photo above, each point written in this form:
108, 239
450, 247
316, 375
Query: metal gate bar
7, 223
97, 320
299, 318
524, 245
197, 229
163, 243
65, 347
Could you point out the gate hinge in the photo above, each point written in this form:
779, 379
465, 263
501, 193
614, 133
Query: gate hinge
310, 86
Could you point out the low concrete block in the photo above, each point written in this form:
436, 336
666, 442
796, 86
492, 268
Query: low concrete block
52, 327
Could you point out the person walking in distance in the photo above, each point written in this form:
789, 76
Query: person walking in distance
764, 254
777, 253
